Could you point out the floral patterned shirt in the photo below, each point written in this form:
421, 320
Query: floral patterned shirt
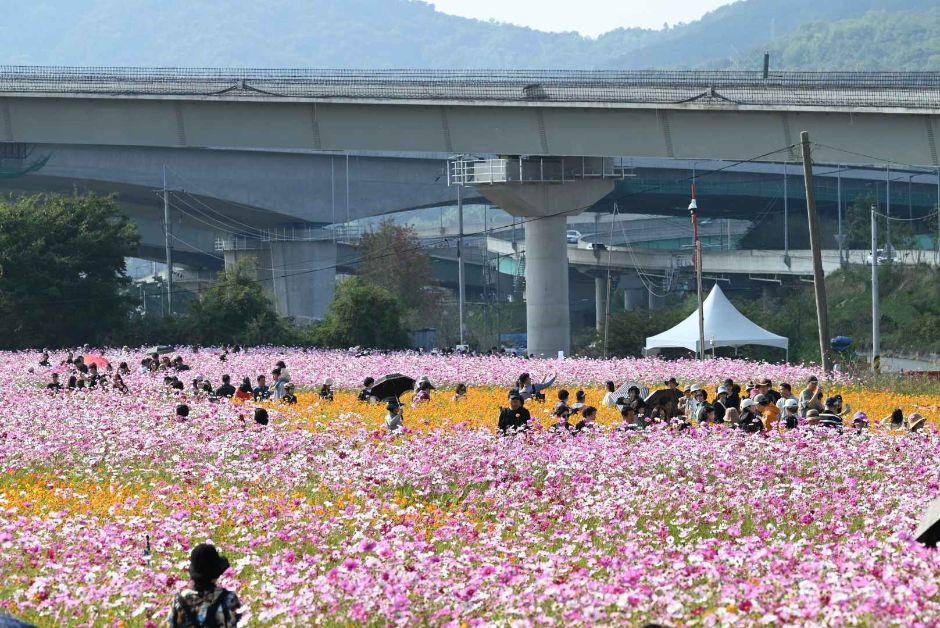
190, 609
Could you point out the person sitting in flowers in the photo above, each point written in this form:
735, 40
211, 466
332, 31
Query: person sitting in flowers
721, 404
894, 421
750, 421
530, 390
631, 422
610, 400
366, 393
244, 392
916, 422
205, 603
395, 416
830, 417
811, 397
561, 415
791, 416
515, 417
706, 414
768, 411
588, 420
280, 381
460, 393
117, 383
423, 394
261, 391
55, 384
860, 422
289, 397
326, 390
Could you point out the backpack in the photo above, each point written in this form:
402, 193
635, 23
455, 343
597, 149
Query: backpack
211, 611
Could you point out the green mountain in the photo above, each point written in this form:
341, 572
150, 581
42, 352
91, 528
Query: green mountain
869, 34
880, 40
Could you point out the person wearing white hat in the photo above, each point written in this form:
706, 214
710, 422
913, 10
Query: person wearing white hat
790, 418
326, 390
750, 421
697, 400
721, 404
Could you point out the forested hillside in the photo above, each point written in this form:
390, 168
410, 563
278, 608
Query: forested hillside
881, 40
801, 34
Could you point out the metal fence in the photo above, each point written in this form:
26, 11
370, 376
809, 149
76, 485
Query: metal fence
837, 89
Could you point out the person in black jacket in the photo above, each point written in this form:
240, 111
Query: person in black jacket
830, 416
366, 393
721, 404
587, 423
750, 422
515, 417
226, 389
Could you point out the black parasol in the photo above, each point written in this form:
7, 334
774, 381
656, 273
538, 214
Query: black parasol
928, 532
392, 385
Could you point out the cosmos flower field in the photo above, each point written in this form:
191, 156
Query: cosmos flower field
329, 520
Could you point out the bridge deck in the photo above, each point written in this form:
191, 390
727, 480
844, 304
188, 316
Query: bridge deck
733, 262
914, 90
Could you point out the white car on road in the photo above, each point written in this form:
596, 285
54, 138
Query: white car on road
573, 236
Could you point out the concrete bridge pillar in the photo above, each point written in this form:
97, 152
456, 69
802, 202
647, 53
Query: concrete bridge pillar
297, 275
600, 303
545, 208
303, 277
634, 292
656, 302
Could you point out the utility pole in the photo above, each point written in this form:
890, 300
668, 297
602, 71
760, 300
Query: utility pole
460, 276
875, 298
841, 237
786, 214
819, 278
697, 253
888, 209
169, 247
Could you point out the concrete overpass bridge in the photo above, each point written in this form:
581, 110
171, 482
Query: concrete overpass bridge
587, 115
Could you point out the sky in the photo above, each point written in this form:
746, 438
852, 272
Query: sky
588, 17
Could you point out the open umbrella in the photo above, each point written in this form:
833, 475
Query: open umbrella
392, 385
624, 390
97, 360
654, 398
670, 396
928, 532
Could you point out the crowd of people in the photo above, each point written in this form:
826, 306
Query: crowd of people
87, 373
754, 407
751, 408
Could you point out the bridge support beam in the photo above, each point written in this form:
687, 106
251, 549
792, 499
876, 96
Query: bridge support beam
303, 278
656, 302
545, 208
298, 275
600, 303
634, 292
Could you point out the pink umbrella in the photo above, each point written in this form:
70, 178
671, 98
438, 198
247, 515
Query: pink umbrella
98, 360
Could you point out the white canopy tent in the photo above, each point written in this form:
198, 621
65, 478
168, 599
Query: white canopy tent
725, 326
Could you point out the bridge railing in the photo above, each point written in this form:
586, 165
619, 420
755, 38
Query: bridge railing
840, 89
